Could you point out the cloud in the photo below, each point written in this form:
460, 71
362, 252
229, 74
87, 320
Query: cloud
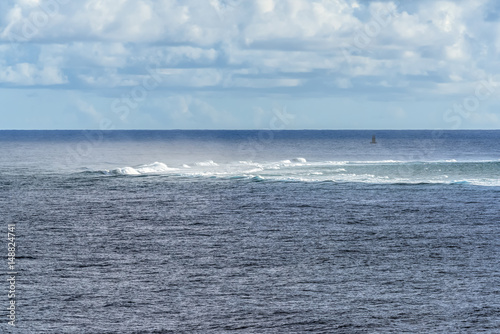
25, 74
432, 48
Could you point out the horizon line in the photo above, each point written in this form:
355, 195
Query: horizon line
263, 129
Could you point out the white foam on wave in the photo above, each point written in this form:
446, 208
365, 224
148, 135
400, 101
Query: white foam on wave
251, 171
244, 162
250, 163
286, 163
335, 163
479, 182
298, 169
375, 162
208, 163
123, 171
155, 167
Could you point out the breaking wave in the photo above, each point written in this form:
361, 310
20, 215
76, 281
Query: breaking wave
154, 168
484, 173
206, 163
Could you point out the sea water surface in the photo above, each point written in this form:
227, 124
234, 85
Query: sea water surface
253, 231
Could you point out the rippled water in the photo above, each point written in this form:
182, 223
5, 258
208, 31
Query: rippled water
164, 251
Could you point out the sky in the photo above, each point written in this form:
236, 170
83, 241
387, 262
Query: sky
234, 64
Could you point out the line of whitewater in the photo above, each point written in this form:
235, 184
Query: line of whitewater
484, 173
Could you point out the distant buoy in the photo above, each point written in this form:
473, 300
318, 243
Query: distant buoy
373, 140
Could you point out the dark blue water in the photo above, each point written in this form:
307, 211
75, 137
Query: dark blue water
213, 232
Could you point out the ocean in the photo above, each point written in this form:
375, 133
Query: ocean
251, 231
